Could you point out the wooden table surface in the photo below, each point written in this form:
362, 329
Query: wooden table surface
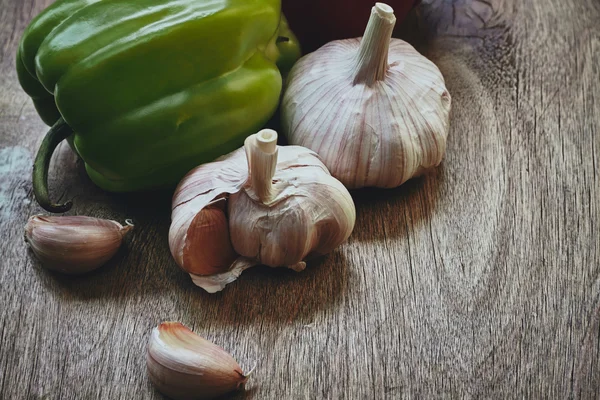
480, 280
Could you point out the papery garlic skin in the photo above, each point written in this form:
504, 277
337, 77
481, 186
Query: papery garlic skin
74, 244
199, 189
283, 207
185, 366
374, 109
307, 214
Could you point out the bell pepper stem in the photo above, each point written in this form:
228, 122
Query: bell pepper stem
59, 132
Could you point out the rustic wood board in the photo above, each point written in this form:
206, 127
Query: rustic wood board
480, 280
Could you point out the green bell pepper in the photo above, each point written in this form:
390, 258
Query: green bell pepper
149, 89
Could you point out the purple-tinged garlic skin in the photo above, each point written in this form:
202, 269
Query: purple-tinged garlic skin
74, 244
374, 109
185, 366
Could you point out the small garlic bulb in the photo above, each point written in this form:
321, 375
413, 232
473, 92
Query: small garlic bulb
185, 366
74, 245
263, 204
375, 110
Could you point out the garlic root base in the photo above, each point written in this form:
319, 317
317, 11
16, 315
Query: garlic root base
217, 282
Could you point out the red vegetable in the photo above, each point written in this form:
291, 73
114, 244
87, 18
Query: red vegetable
316, 22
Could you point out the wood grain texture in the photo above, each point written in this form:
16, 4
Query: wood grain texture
481, 280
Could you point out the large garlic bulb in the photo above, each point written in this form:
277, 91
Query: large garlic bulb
262, 204
375, 110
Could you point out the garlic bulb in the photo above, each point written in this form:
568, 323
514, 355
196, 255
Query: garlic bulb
375, 110
263, 204
183, 365
74, 245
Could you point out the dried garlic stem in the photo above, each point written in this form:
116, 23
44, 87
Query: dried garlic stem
372, 60
261, 150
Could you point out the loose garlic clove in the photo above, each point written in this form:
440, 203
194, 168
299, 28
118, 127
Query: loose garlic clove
375, 110
74, 245
185, 366
283, 207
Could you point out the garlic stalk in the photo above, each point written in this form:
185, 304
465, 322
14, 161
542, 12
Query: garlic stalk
185, 366
74, 245
265, 204
375, 110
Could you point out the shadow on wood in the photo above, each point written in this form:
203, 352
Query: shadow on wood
144, 267
275, 296
385, 213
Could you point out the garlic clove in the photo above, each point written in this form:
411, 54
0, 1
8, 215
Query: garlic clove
74, 244
374, 109
197, 190
185, 366
208, 249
